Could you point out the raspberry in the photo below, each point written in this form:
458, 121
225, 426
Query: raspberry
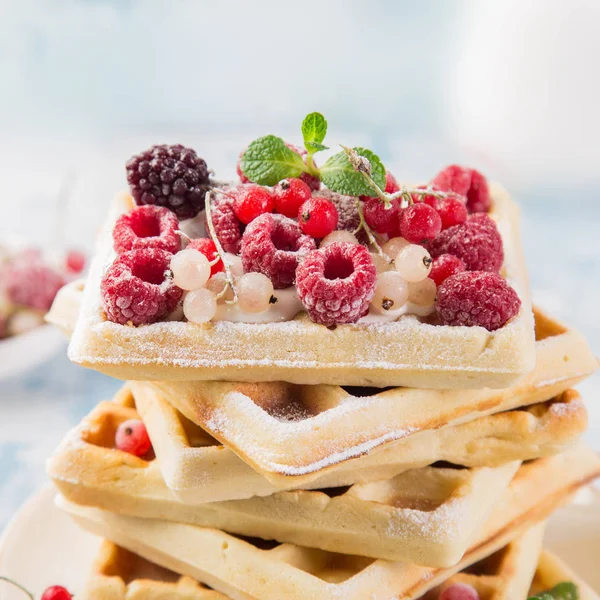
227, 226
476, 298
290, 195
378, 217
419, 223
209, 249
468, 183
136, 288
318, 217
146, 227
251, 201
75, 262
346, 206
336, 283
132, 437
56, 592
272, 245
444, 266
476, 242
32, 283
172, 176
391, 185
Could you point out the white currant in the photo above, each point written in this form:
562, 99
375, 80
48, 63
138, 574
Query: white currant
191, 269
391, 292
200, 306
255, 291
413, 263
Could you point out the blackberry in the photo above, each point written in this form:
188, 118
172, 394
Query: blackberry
172, 176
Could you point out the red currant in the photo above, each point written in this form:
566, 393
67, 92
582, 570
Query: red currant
378, 217
56, 592
132, 437
251, 201
318, 217
444, 266
290, 195
459, 591
452, 211
207, 247
419, 223
75, 261
391, 185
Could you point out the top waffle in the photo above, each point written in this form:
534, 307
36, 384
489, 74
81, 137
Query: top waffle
408, 352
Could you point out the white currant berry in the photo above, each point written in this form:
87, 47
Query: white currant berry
217, 283
338, 236
191, 269
391, 292
422, 293
392, 247
381, 264
200, 306
254, 292
235, 264
413, 263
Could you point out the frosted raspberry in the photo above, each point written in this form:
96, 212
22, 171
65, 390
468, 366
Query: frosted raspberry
337, 283
273, 245
75, 262
146, 227
476, 298
227, 226
476, 242
348, 217
445, 266
209, 249
468, 183
32, 283
138, 287
378, 217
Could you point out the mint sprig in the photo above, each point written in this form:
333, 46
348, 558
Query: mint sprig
562, 591
314, 130
341, 175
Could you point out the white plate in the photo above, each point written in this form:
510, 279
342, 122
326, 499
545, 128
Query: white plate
43, 547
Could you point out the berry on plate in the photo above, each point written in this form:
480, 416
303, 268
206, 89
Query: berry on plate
255, 292
318, 217
391, 292
200, 306
419, 223
468, 183
132, 437
381, 218
209, 249
146, 227
227, 226
290, 195
413, 263
251, 201
336, 284
190, 268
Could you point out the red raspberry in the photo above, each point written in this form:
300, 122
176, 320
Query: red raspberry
75, 262
273, 245
391, 185
209, 249
459, 591
468, 183
419, 223
476, 242
136, 287
337, 283
251, 201
147, 227
227, 226
56, 592
33, 284
476, 298
290, 195
318, 217
378, 217
132, 437
444, 266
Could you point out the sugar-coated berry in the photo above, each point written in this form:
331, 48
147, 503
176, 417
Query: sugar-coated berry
56, 592
336, 284
146, 227
338, 236
391, 185
348, 216
227, 226
479, 199
273, 245
132, 437
452, 211
251, 201
75, 262
199, 306
209, 249
391, 292
419, 223
318, 217
235, 264
468, 183
477, 298
459, 591
290, 195
191, 269
393, 246
218, 285
379, 217
413, 263
31, 283
172, 176
445, 266
422, 293
381, 263
255, 292
137, 287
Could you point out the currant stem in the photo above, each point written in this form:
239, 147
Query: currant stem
370, 235
220, 251
312, 168
355, 161
17, 585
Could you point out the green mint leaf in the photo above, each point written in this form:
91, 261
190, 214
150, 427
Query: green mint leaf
314, 129
339, 175
563, 591
315, 147
268, 160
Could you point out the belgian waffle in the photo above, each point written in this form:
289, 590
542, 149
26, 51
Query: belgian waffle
426, 516
292, 434
408, 352
245, 568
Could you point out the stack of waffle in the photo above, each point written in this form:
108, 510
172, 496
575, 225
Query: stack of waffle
280, 481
